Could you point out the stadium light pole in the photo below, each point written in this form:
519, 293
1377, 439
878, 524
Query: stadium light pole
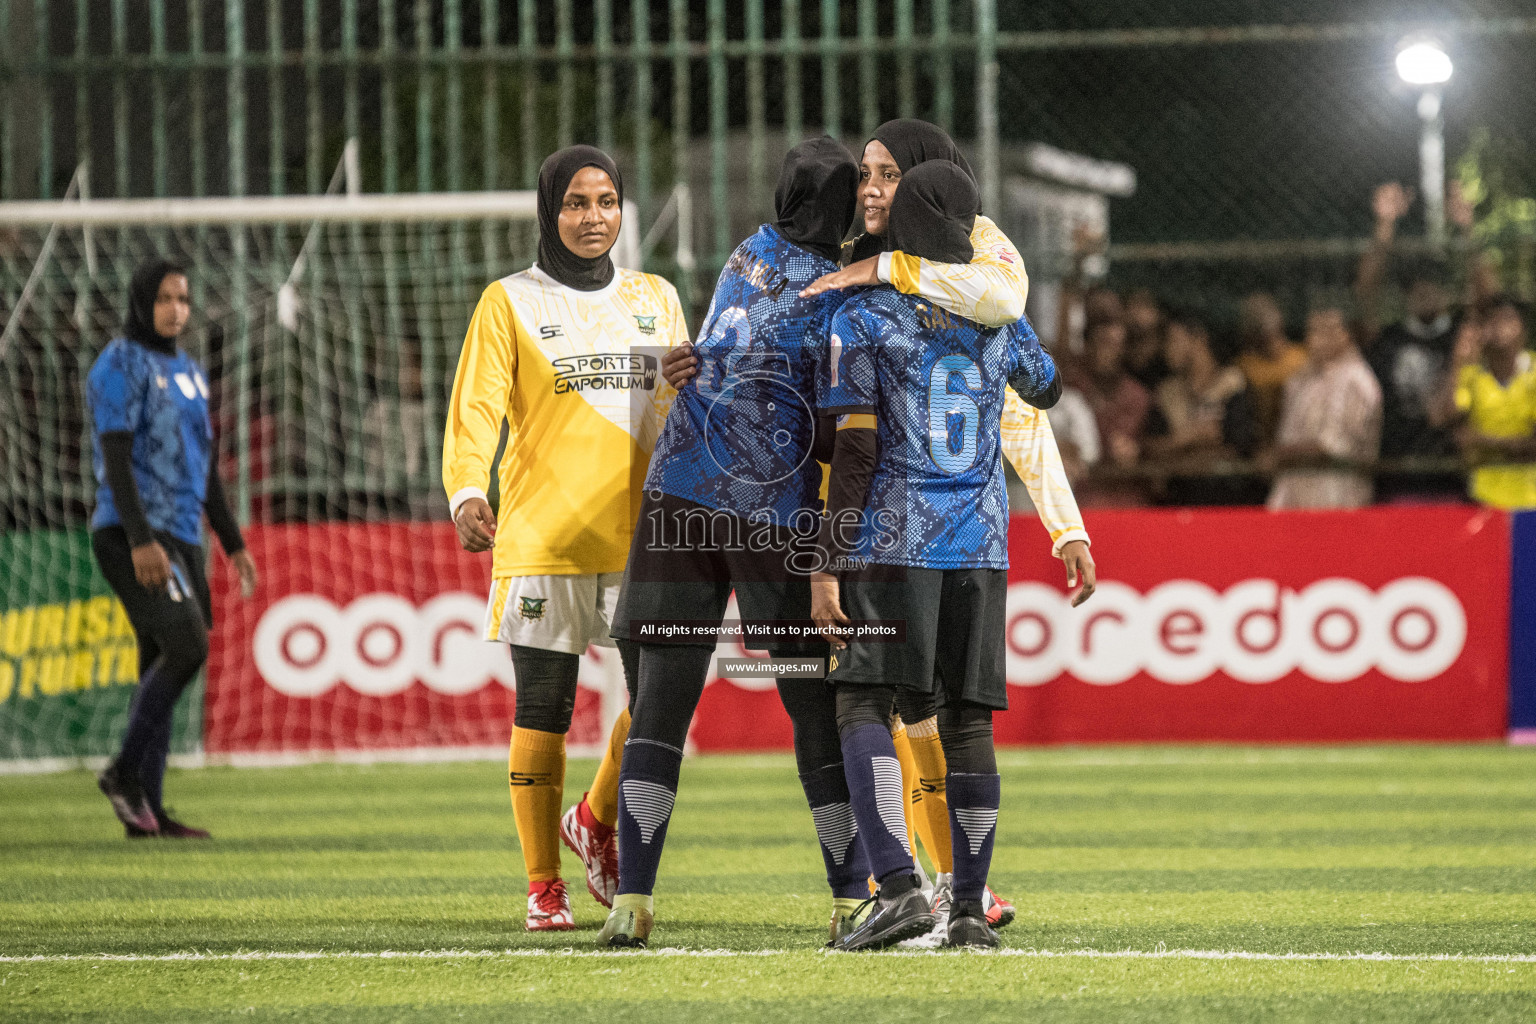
1422, 62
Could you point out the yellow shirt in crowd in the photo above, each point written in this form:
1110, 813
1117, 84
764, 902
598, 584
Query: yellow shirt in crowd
577, 377
1267, 377
1506, 412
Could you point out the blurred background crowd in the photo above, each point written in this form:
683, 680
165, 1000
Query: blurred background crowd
1416, 387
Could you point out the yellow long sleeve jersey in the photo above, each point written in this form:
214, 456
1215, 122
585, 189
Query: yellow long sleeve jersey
991, 289
577, 378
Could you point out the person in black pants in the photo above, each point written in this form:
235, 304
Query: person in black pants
156, 475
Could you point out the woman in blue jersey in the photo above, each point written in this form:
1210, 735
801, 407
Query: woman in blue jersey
916, 535
729, 497
156, 476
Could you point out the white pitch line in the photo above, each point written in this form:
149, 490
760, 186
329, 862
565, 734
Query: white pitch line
501, 954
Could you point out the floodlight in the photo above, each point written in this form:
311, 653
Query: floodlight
1423, 62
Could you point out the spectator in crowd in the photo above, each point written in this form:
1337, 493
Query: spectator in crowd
1269, 358
1330, 423
1201, 413
1120, 406
1490, 399
1144, 338
1410, 356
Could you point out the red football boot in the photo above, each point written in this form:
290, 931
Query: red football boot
549, 907
1000, 912
597, 846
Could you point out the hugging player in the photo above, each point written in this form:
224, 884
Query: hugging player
919, 395
991, 290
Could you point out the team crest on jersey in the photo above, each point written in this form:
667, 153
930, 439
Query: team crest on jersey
531, 608
647, 324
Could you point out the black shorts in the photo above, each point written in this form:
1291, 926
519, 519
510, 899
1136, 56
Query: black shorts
685, 560
954, 622
167, 607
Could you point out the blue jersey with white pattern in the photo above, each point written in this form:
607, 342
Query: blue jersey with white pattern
739, 437
163, 401
935, 384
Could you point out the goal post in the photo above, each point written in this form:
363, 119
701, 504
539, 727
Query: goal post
330, 328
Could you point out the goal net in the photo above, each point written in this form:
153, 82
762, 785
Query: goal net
329, 328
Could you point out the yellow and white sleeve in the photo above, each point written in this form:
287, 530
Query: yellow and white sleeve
1029, 445
482, 388
991, 289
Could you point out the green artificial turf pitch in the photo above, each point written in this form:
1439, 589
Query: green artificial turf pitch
1206, 884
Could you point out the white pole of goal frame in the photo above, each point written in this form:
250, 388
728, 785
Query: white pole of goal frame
365, 208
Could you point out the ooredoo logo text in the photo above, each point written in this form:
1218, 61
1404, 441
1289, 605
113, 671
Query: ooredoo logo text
1181, 631
1255, 631
378, 645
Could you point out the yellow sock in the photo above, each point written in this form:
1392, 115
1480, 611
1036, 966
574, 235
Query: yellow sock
908, 778
932, 812
603, 797
536, 776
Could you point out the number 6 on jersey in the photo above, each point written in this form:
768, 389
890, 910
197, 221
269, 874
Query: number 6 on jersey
953, 417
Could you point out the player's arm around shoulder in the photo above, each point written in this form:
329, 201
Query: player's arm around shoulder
482, 390
991, 289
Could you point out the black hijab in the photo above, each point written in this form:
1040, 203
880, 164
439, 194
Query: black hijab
143, 288
911, 142
933, 213
571, 270
815, 198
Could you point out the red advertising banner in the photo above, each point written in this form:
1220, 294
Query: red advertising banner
367, 637
1242, 625
1235, 625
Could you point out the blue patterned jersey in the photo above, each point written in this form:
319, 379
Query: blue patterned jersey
935, 385
163, 401
739, 437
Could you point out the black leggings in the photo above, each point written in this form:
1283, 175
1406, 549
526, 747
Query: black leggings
914, 707
171, 626
965, 729
812, 708
546, 685
672, 680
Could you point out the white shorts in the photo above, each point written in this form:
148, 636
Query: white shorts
553, 613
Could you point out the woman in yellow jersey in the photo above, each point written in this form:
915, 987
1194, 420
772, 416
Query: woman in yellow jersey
991, 290
567, 354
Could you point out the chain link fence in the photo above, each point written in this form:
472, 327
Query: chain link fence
1221, 147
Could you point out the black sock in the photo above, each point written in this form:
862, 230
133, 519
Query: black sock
973, 803
647, 794
967, 908
879, 801
826, 790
